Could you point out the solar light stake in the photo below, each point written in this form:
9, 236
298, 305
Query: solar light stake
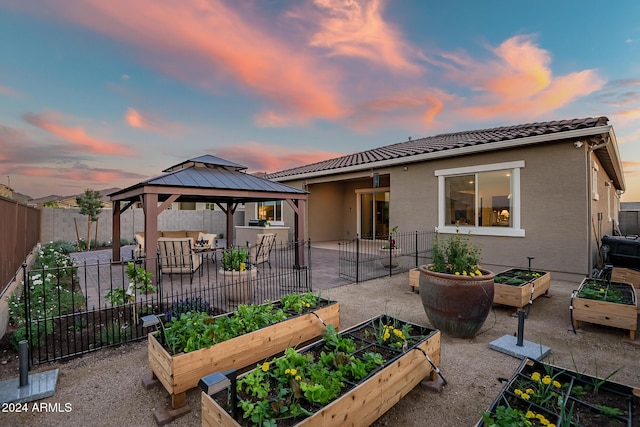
530, 258
520, 340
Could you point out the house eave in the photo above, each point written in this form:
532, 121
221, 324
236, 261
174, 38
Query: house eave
480, 148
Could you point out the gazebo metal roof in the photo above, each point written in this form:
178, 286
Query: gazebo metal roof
207, 179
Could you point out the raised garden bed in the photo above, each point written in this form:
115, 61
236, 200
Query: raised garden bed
181, 372
605, 303
306, 374
518, 287
538, 392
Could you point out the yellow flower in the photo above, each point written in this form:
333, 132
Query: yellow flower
464, 273
551, 425
601, 289
386, 335
535, 376
530, 414
472, 274
265, 366
398, 333
518, 392
457, 274
294, 371
525, 396
530, 391
557, 384
298, 377
287, 371
308, 305
546, 380
478, 273
540, 417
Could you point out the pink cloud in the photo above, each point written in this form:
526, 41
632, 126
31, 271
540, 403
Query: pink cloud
77, 136
518, 82
358, 29
271, 158
209, 45
136, 119
402, 109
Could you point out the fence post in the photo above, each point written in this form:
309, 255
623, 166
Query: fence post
416, 265
308, 269
27, 309
357, 259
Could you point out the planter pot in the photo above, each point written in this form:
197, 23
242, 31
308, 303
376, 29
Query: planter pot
389, 257
181, 372
623, 314
360, 404
457, 305
577, 401
520, 294
238, 286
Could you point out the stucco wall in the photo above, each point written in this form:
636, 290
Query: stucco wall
554, 205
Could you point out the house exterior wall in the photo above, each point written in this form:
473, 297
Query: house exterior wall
555, 205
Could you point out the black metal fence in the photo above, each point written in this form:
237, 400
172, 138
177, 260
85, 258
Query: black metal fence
92, 304
365, 258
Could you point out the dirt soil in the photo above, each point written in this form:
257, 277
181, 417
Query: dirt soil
104, 388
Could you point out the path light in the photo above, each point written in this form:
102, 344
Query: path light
150, 320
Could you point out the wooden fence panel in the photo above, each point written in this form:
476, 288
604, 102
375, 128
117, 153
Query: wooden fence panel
19, 233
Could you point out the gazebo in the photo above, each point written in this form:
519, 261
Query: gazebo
206, 179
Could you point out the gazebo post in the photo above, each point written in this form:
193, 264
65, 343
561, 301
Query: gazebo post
150, 207
115, 232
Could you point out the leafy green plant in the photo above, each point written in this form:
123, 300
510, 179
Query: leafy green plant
299, 302
456, 256
51, 293
141, 278
234, 259
195, 330
600, 291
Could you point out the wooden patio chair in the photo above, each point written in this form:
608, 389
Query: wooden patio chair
178, 257
261, 252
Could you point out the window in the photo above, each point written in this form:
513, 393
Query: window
483, 199
270, 211
594, 182
210, 206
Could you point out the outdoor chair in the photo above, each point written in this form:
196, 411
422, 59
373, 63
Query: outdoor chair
260, 253
177, 256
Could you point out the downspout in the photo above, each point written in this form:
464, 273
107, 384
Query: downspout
590, 150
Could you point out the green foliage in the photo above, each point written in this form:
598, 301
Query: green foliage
140, 277
50, 291
458, 255
506, 416
299, 302
113, 333
195, 330
234, 259
90, 204
600, 290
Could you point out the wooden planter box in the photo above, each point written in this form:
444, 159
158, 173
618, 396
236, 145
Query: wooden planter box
414, 280
519, 295
626, 275
369, 399
181, 372
617, 315
580, 400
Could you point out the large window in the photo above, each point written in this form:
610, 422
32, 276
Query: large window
270, 211
484, 199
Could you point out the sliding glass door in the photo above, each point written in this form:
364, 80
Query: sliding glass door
374, 213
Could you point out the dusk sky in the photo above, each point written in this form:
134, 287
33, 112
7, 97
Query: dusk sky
106, 93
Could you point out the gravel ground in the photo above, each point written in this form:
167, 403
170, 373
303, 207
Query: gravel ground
104, 388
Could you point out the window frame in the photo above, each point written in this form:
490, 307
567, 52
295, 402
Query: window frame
274, 222
514, 231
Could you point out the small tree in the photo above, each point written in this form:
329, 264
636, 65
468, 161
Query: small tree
91, 205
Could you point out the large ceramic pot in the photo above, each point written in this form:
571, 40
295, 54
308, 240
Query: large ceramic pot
238, 286
457, 305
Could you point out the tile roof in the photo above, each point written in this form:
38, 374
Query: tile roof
444, 142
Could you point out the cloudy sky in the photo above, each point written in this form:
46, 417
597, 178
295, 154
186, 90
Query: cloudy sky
99, 94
